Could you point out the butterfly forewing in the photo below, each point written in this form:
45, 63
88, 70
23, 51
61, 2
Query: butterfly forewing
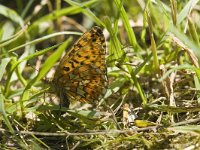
81, 74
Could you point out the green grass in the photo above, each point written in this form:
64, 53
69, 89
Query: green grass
153, 65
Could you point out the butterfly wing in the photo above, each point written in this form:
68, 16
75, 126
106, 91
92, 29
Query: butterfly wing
81, 74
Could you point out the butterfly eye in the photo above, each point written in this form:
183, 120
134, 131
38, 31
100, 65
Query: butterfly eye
99, 31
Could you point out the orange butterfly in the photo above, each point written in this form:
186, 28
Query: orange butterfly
82, 74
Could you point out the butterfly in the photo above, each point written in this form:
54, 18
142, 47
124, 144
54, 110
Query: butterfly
82, 74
